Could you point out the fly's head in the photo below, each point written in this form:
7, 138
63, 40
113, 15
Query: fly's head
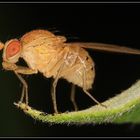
12, 51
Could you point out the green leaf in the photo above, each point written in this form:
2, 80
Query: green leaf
123, 108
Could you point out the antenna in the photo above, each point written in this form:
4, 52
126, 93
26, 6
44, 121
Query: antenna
1, 45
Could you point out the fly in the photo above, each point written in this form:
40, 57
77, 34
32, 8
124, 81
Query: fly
52, 56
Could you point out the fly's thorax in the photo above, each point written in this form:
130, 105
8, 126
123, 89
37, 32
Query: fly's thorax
39, 46
42, 37
43, 58
51, 60
35, 34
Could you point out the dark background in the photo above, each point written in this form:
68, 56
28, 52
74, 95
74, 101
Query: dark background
106, 23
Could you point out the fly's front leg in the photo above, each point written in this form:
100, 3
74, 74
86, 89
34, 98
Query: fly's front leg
9, 66
24, 89
20, 70
25, 71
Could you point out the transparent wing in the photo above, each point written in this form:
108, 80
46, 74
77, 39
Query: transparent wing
107, 47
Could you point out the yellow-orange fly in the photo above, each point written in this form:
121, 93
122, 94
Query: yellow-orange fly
51, 55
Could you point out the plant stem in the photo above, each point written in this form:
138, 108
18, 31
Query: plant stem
123, 108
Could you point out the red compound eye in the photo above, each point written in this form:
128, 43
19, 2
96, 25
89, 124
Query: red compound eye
13, 48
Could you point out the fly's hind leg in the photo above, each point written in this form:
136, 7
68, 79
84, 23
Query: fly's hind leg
72, 97
87, 93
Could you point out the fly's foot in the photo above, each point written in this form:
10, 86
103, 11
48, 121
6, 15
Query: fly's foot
22, 106
66, 111
26, 106
20, 102
56, 113
17, 104
43, 114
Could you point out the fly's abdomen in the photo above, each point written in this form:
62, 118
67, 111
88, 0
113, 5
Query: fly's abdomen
79, 68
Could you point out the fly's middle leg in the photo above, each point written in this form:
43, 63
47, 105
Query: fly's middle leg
53, 89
